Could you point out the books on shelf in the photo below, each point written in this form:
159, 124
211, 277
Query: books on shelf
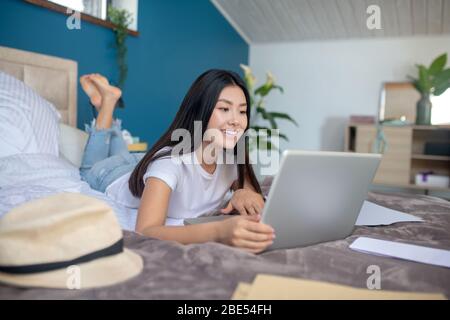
363, 119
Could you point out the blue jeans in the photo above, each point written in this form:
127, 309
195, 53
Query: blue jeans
106, 157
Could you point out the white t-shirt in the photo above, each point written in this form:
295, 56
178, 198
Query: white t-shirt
195, 192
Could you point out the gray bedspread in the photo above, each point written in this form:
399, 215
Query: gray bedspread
212, 270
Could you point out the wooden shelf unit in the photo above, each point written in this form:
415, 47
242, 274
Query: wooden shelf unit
404, 155
430, 157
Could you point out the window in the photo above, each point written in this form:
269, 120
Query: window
95, 8
95, 11
76, 5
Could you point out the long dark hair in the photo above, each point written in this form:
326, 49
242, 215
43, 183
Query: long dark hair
197, 105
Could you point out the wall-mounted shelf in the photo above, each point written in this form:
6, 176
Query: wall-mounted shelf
428, 157
414, 186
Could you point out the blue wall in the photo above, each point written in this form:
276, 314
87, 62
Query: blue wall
179, 39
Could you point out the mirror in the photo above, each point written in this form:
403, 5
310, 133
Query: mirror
398, 99
440, 112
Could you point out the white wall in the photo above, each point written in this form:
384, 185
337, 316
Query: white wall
327, 81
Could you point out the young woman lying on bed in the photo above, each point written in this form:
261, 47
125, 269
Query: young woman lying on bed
166, 191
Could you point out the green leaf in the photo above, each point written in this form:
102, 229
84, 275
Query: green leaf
283, 136
267, 116
416, 85
438, 64
264, 144
265, 89
279, 88
441, 82
440, 89
423, 73
258, 129
424, 81
262, 90
121, 19
282, 116
441, 77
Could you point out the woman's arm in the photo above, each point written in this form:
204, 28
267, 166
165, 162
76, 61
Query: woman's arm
152, 216
197, 233
244, 232
245, 200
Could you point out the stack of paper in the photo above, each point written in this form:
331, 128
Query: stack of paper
269, 287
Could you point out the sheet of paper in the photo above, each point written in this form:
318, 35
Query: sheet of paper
372, 214
438, 257
270, 287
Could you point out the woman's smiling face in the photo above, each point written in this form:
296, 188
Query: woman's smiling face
228, 119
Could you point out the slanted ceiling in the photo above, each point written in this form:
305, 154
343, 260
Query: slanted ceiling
262, 21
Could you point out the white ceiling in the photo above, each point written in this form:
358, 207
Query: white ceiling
261, 21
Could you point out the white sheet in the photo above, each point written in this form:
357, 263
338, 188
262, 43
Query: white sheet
25, 177
411, 252
372, 214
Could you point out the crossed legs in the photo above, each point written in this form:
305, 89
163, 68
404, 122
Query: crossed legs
105, 137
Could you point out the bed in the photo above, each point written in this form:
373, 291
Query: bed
213, 270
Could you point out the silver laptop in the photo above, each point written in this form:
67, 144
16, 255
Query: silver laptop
315, 197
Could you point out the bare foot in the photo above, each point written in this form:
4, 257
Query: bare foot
91, 90
107, 91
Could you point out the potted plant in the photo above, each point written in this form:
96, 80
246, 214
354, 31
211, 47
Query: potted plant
259, 111
121, 19
433, 80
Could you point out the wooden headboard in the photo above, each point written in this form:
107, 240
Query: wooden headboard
53, 78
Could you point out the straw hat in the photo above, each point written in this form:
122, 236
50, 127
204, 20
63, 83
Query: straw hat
67, 240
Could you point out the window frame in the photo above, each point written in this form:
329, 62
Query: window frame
86, 17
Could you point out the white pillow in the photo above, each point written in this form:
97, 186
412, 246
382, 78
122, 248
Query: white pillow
28, 122
16, 135
71, 143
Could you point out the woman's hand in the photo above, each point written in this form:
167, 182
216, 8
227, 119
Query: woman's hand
246, 201
246, 232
